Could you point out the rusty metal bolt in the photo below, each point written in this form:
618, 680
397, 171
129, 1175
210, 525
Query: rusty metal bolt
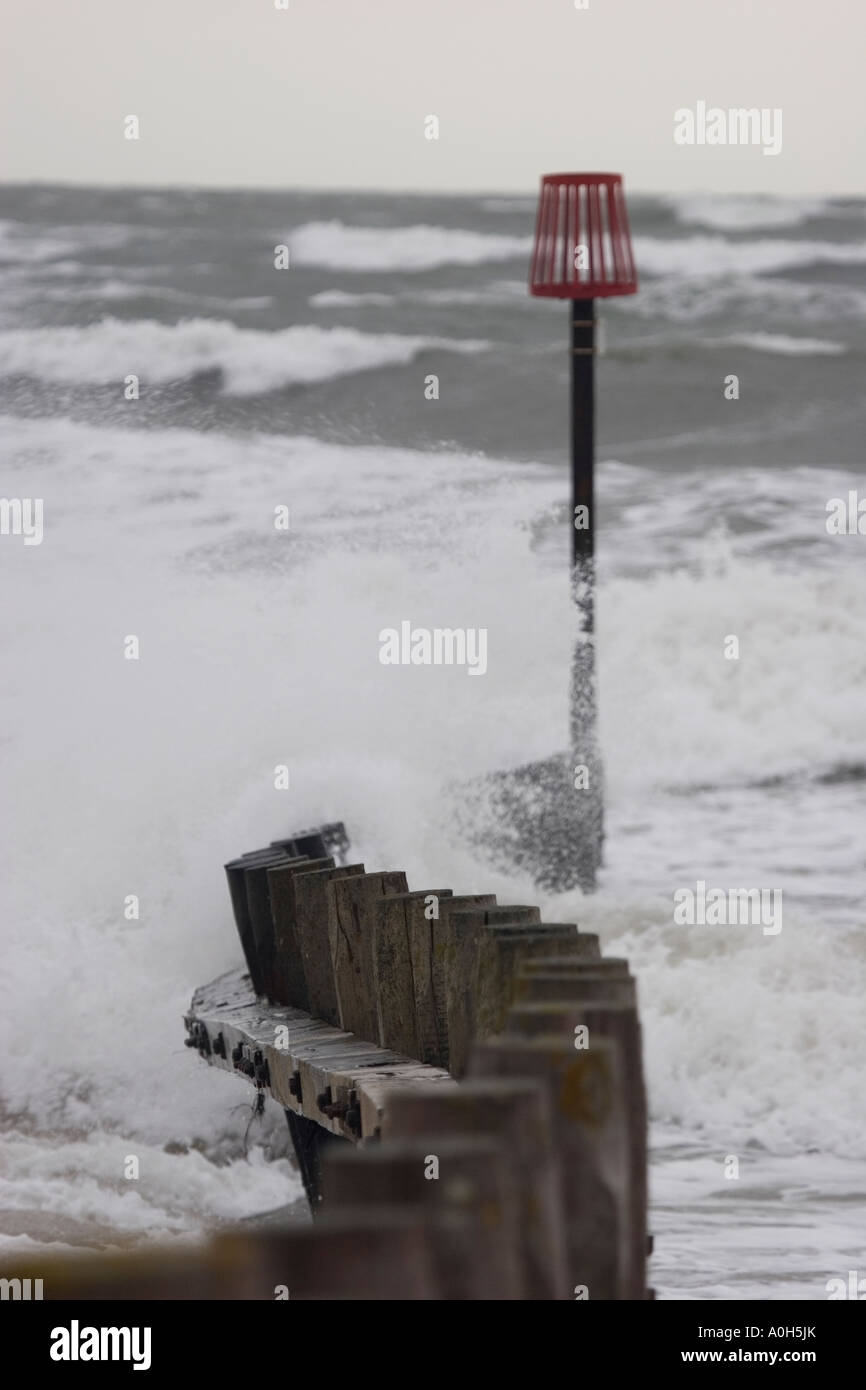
353, 1119
335, 1110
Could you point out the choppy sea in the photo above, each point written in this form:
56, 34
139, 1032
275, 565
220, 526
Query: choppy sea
306, 387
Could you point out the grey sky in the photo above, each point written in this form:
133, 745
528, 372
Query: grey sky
333, 93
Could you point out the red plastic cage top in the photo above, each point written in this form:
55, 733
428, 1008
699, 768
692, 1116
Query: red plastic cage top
582, 240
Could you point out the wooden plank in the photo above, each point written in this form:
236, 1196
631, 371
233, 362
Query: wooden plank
468, 1205
463, 929
503, 913
300, 1056
234, 872
311, 919
351, 920
464, 934
618, 1023
142, 1275
375, 1087
289, 979
589, 1122
501, 950
589, 987
261, 918
393, 975
320, 1064
428, 944
379, 1254
376, 1254
604, 965
326, 841
519, 1112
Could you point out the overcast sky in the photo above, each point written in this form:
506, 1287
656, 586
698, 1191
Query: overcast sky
334, 93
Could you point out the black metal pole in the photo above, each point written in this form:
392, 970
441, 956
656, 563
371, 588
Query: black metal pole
582, 448
586, 755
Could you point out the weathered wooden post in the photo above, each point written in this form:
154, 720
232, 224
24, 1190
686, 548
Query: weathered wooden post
485, 947
311, 928
463, 1188
519, 1112
393, 974
587, 1101
289, 980
463, 930
352, 903
503, 948
591, 986
378, 1253
248, 886
426, 927
579, 1020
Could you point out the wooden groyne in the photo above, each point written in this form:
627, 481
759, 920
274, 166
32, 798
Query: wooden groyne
458, 1075
464, 1089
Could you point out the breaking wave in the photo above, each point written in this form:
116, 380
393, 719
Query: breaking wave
251, 361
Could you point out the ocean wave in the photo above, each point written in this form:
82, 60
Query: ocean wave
343, 299
748, 1035
251, 361
781, 344
341, 247
499, 292
689, 256
702, 297
120, 290
733, 212
22, 244
30, 287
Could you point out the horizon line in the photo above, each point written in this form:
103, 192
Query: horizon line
380, 191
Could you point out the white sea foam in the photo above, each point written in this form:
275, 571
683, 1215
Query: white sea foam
341, 247
781, 344
258, 647
19, 244
732, 213
498, 292
703, 255
344, 299
120, 290
688, 300
251, 361
748, 1039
